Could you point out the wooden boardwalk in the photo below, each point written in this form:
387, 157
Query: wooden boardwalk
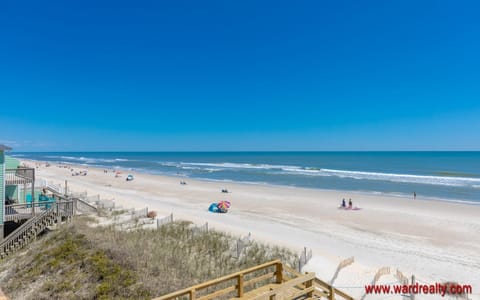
39, 216
271, 280
36, 223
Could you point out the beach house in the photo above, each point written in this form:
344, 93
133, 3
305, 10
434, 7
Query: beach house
2, 187
16, 188
26, 212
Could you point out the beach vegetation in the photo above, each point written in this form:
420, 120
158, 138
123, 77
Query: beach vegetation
82, 260
118, 212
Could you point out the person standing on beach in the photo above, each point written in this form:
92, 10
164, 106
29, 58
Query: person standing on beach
414, 196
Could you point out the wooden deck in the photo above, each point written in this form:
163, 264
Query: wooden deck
29, 230
39, 216
66, 206
19, 212
19, 176
271, 280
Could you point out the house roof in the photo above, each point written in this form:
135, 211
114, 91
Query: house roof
4, 148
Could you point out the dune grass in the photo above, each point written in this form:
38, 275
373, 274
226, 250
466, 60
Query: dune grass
79, 261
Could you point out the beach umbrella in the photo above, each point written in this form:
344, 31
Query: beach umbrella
224, 204
222, 207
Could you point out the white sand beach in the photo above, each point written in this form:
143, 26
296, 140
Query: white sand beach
435, 240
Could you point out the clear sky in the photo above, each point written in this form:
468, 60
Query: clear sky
239, 75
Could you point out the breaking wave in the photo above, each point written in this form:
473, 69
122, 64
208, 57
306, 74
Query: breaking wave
306, 171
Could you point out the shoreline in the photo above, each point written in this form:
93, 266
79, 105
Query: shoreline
227, 181
435, 240
359, 192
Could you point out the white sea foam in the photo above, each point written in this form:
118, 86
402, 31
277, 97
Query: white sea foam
168, 164
190, 166
228, 165
67, 157
406, 178
88, 160
200, 169
292, 170
306, 171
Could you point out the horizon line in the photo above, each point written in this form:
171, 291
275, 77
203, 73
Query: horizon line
232, 151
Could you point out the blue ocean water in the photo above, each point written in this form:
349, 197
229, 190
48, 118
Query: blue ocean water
441, 175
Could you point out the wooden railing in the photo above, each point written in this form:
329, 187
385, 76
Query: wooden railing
55, 189
292, 289
322, 288
29, 230
17, 212
18, 238
79, 203
84, 206
19, 176
329, 291
273, 280
235, 283
65, 208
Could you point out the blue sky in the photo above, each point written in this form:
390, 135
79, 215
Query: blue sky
239, 75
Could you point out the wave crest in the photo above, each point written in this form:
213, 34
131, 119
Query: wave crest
312, 171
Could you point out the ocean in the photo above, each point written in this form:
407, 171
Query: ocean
453, 176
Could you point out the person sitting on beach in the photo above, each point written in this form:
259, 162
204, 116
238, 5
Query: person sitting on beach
350, 203
343, 203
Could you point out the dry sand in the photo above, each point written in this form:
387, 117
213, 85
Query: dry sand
435, 240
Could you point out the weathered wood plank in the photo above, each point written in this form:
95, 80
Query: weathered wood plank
218, 280
285, 287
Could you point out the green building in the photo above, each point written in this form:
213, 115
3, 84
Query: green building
24, 212
2, 187
17, 187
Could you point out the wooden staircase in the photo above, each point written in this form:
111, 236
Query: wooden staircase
272, 280
29, 230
